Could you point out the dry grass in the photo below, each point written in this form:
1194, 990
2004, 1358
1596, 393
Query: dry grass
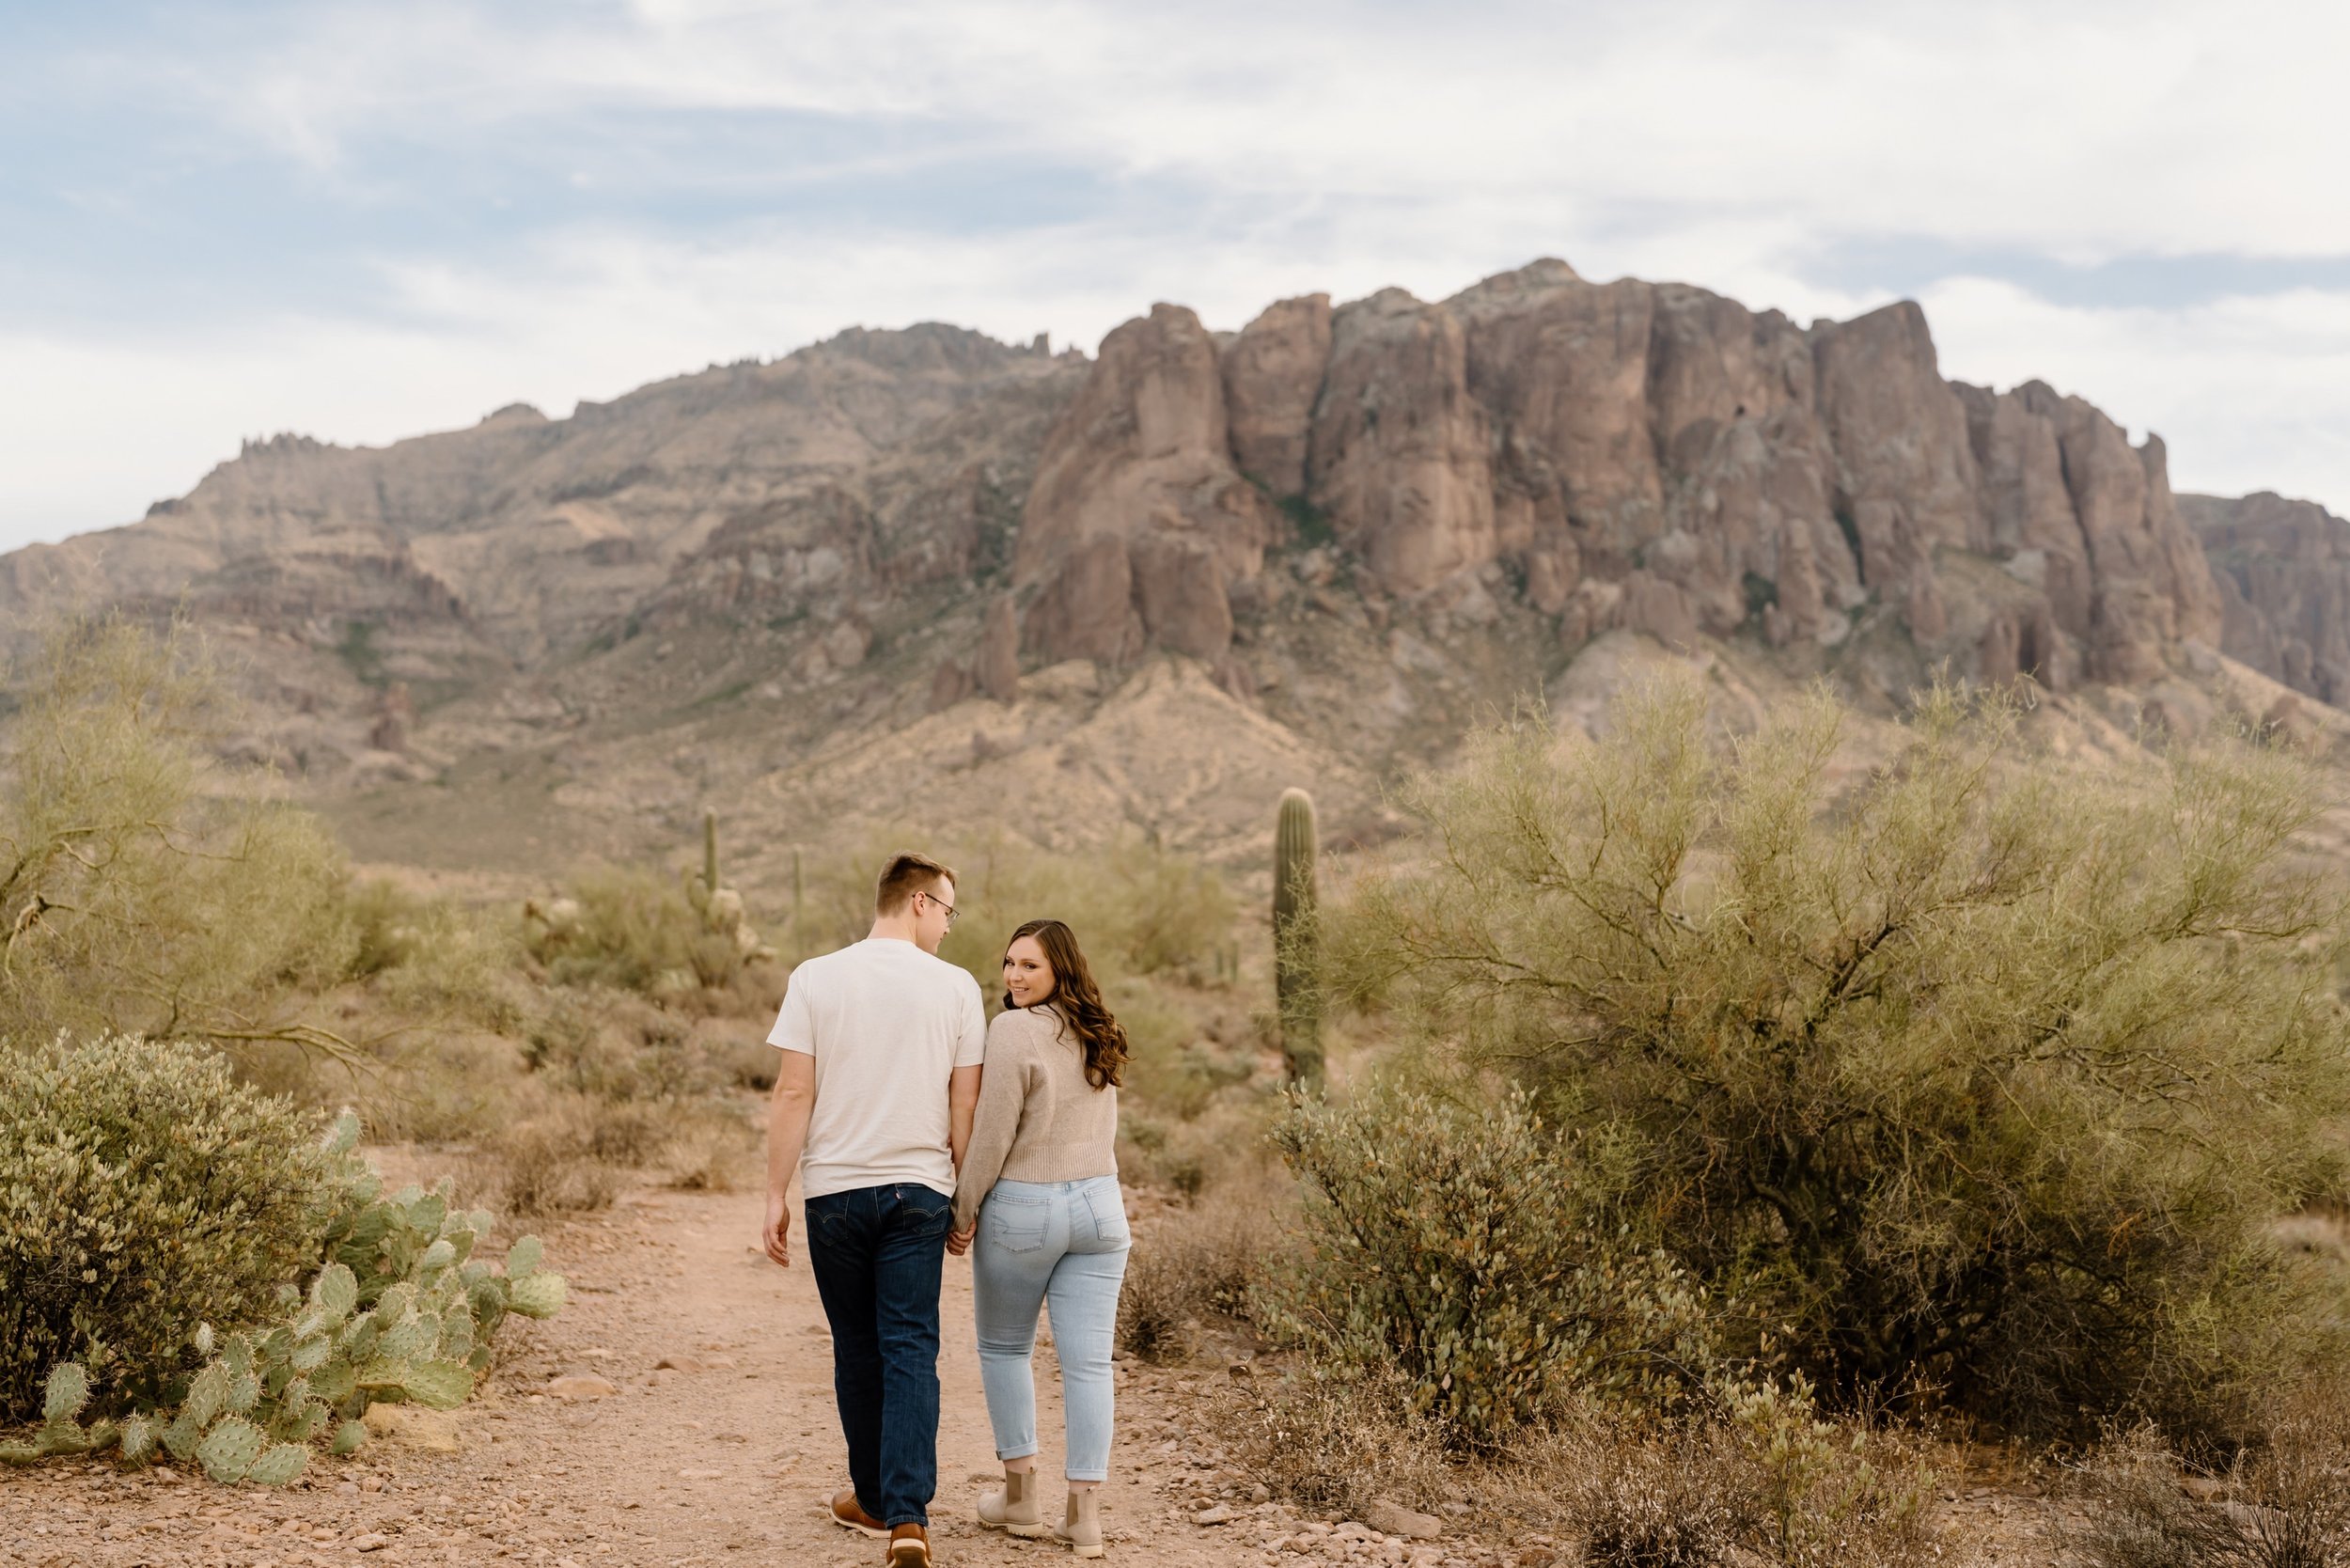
1338, 1447
2286, 1503
1675, 1503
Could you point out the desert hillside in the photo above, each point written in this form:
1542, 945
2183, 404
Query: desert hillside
925, 574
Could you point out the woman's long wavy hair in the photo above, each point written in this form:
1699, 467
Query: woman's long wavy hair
1078, 1001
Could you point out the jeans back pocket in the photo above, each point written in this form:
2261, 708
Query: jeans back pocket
1107, 1205
1014, 1224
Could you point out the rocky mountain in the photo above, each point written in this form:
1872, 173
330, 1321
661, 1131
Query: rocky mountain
924, 575
2283, 571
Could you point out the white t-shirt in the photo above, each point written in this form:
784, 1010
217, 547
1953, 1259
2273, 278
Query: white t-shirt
887, 1024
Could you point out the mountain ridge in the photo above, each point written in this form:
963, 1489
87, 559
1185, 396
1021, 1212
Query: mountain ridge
1361, 525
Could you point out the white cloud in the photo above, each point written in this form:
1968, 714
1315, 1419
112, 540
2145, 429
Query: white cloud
1237, 154
2248, 394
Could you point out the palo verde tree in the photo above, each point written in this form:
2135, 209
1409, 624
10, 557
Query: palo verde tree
141, 890
1974, 1073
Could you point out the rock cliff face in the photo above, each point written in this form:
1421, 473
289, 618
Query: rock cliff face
1365, 524
2283, 569
1634, 454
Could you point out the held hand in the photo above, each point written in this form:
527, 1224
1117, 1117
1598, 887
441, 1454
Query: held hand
959, 1242
777, 1235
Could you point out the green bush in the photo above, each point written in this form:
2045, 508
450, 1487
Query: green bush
141, 892
428, 955
1973, 1071
635, 930
143, 1191
1471, 1252
235, 1287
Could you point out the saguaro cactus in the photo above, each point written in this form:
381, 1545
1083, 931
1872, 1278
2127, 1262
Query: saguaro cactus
1296, 957
710, 849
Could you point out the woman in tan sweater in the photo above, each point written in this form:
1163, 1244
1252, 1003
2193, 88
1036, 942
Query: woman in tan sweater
1037, 1200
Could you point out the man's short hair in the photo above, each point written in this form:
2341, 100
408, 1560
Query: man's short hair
905, 876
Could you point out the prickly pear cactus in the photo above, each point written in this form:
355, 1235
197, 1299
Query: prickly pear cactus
400, 1309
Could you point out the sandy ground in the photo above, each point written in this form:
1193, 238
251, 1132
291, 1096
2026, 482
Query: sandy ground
722, 1457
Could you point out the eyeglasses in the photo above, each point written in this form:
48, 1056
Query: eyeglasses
951, 909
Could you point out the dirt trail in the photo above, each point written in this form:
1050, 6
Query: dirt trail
723, 1459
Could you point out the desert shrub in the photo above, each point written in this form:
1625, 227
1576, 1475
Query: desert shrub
2296, 1483
1341, 1445
396, 1308
634, 930
1175, 1070
1980, 1072
709, 1147
139, 891
1184, 1267
549, 1162
2286, 1504
2135, 1513
1670, 1502
1472, 1252
427, 955
143, 1190
1818, 1495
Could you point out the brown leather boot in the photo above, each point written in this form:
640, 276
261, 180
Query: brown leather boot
909, 1547
849, 1513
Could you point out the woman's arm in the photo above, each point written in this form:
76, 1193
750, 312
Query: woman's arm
995, 1124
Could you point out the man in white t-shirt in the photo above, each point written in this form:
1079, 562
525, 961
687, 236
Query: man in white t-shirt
880, 1074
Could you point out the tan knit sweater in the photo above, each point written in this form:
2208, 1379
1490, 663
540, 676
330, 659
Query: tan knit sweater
1039, 1119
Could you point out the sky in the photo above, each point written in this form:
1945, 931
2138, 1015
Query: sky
221, 221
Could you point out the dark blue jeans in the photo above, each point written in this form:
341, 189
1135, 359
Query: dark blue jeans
877, 1253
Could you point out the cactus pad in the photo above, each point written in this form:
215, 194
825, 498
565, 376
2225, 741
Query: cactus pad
349, 1438
536, 1296
208, 1395
180, 1438
278, 1466
525, 1257
409, 1339
335, 1290
139, 1440
68, 1391
229, 1450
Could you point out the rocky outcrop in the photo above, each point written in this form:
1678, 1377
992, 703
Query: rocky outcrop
1139, 523
1272, 373
997, 668
1637, 454
1400, 451
2283, 573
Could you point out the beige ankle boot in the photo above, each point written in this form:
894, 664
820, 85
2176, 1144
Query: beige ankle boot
1083, 1528
1014, 1508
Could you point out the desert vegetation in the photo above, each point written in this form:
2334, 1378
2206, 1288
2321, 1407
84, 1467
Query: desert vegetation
1690, 1143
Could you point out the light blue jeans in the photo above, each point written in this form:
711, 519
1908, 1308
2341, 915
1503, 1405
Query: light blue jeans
1063, 1243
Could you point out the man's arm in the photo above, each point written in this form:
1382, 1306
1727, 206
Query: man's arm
962, 1103
787, 1138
